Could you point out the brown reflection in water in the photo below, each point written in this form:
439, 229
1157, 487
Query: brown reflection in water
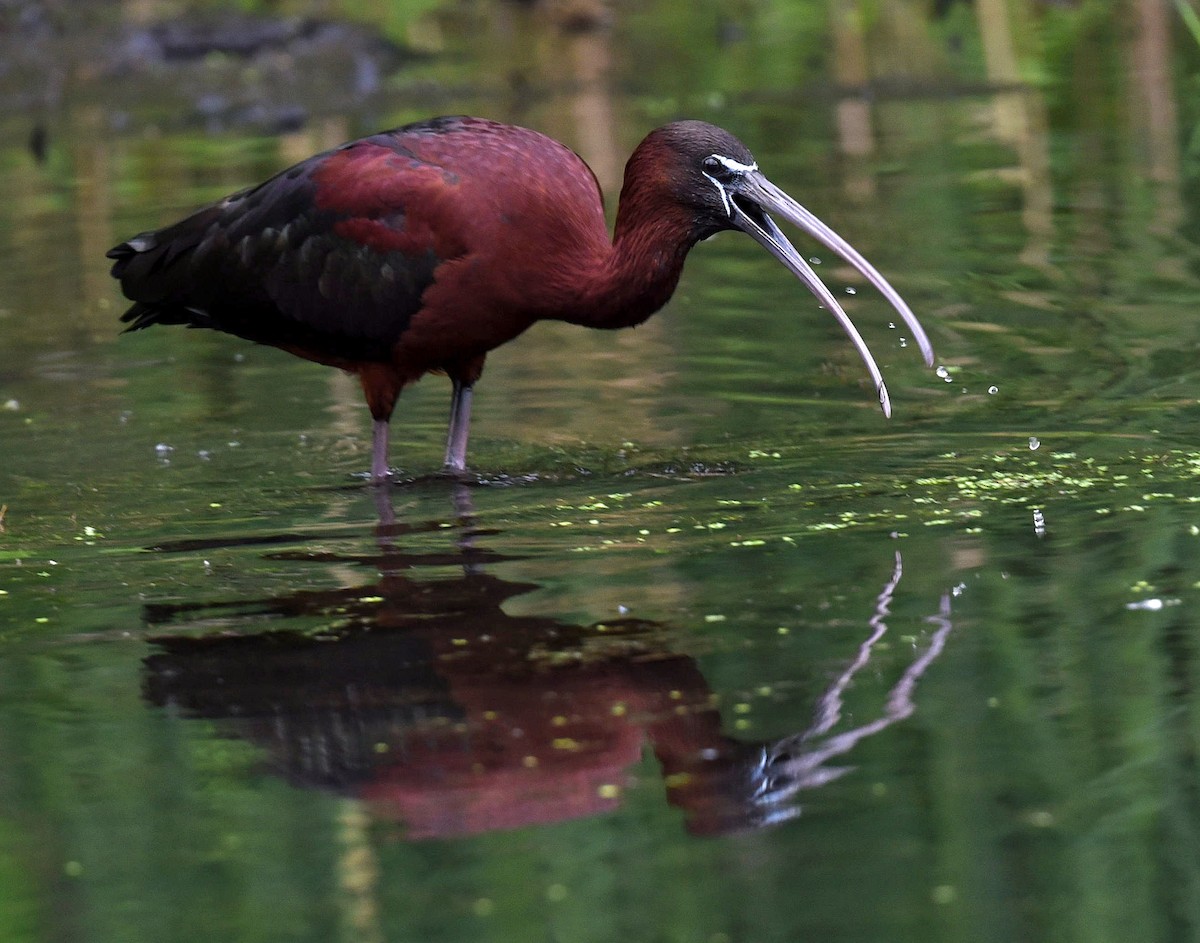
1154, 115
425, 699
92, 161
855, 125
1020, 120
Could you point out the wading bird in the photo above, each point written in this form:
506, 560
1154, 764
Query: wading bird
423, 248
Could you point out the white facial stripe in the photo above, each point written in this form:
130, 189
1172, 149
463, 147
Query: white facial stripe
734, 166
721, 190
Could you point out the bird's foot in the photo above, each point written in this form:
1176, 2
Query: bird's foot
455, 473
389, 476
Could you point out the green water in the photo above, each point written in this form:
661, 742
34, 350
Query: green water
234, 706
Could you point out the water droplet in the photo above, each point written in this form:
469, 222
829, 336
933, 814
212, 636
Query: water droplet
204, 455
1039, 522
163, 449
903, 342
943, 373
814, 260
892, 325
993, 390
12, 405
851, 291
239, 358
1034, 442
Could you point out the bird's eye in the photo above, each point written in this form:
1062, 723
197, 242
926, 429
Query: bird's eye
713, 166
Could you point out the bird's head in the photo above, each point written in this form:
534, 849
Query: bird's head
714, 177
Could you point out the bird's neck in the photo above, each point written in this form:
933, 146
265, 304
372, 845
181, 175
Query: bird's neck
631, 278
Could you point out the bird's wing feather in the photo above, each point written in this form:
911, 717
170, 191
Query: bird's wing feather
332, 255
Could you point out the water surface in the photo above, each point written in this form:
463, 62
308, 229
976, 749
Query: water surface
707, 650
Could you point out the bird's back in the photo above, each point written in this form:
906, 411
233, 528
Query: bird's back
331, 259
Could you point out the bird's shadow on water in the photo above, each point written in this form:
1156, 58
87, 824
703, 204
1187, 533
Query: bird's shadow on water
420, 695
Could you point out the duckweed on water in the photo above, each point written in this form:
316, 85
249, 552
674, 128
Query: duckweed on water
961, 496
782, 501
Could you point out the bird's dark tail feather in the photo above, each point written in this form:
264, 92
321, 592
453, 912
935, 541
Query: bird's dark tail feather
141, 315
148, 267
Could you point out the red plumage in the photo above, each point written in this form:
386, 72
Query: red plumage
425, 247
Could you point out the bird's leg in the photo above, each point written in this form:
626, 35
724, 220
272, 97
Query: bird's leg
381, 383
379, 452
460, 427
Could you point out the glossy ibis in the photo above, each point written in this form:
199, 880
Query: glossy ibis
422, 248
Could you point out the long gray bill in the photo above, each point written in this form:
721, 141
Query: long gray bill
756, 187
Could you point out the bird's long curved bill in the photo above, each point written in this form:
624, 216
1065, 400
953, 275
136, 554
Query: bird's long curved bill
756, 188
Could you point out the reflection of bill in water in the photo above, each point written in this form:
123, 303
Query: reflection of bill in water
441, 711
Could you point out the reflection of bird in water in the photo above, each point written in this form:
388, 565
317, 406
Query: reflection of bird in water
426, 247
442, 711
767, 777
